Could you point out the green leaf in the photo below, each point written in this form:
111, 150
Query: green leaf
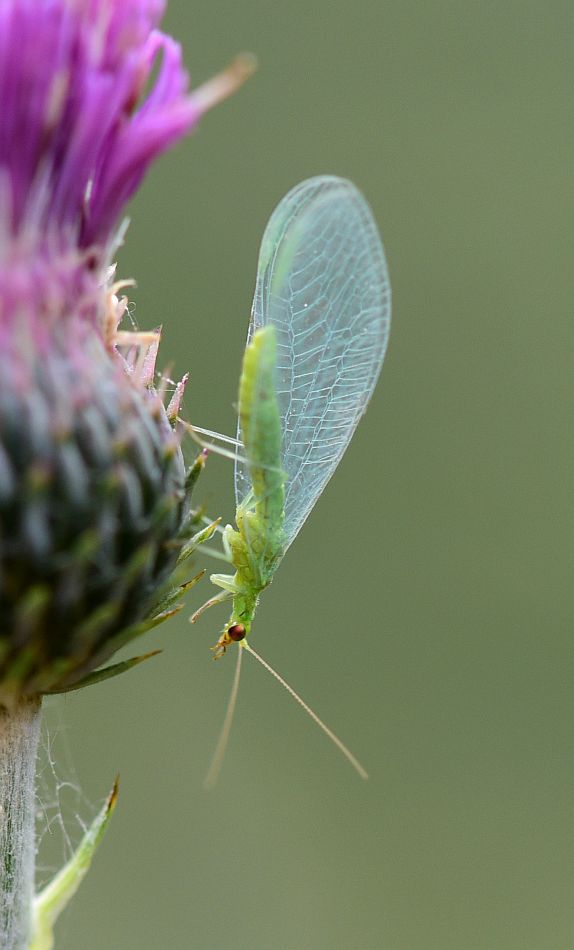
107, 673
50, 902
204, 535
172, 596
195, 471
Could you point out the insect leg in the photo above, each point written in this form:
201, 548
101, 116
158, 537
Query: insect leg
227, 581
226, 544
218, 599
210, 446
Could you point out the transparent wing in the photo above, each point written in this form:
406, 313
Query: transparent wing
322, 282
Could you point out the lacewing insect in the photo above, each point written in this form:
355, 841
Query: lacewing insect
315, 346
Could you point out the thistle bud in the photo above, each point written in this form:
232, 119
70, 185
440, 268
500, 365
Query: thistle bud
91, 499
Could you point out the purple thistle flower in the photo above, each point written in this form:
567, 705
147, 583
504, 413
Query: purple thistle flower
94, 500
76, 137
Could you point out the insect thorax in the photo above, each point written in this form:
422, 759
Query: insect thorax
254, 551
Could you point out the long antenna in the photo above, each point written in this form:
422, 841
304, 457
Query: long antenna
328, 732
219, 754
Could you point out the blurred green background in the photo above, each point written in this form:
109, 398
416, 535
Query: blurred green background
426, 608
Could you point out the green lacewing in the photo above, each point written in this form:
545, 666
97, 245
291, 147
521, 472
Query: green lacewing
315, 346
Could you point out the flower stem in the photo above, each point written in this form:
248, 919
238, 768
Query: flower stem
19, 732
